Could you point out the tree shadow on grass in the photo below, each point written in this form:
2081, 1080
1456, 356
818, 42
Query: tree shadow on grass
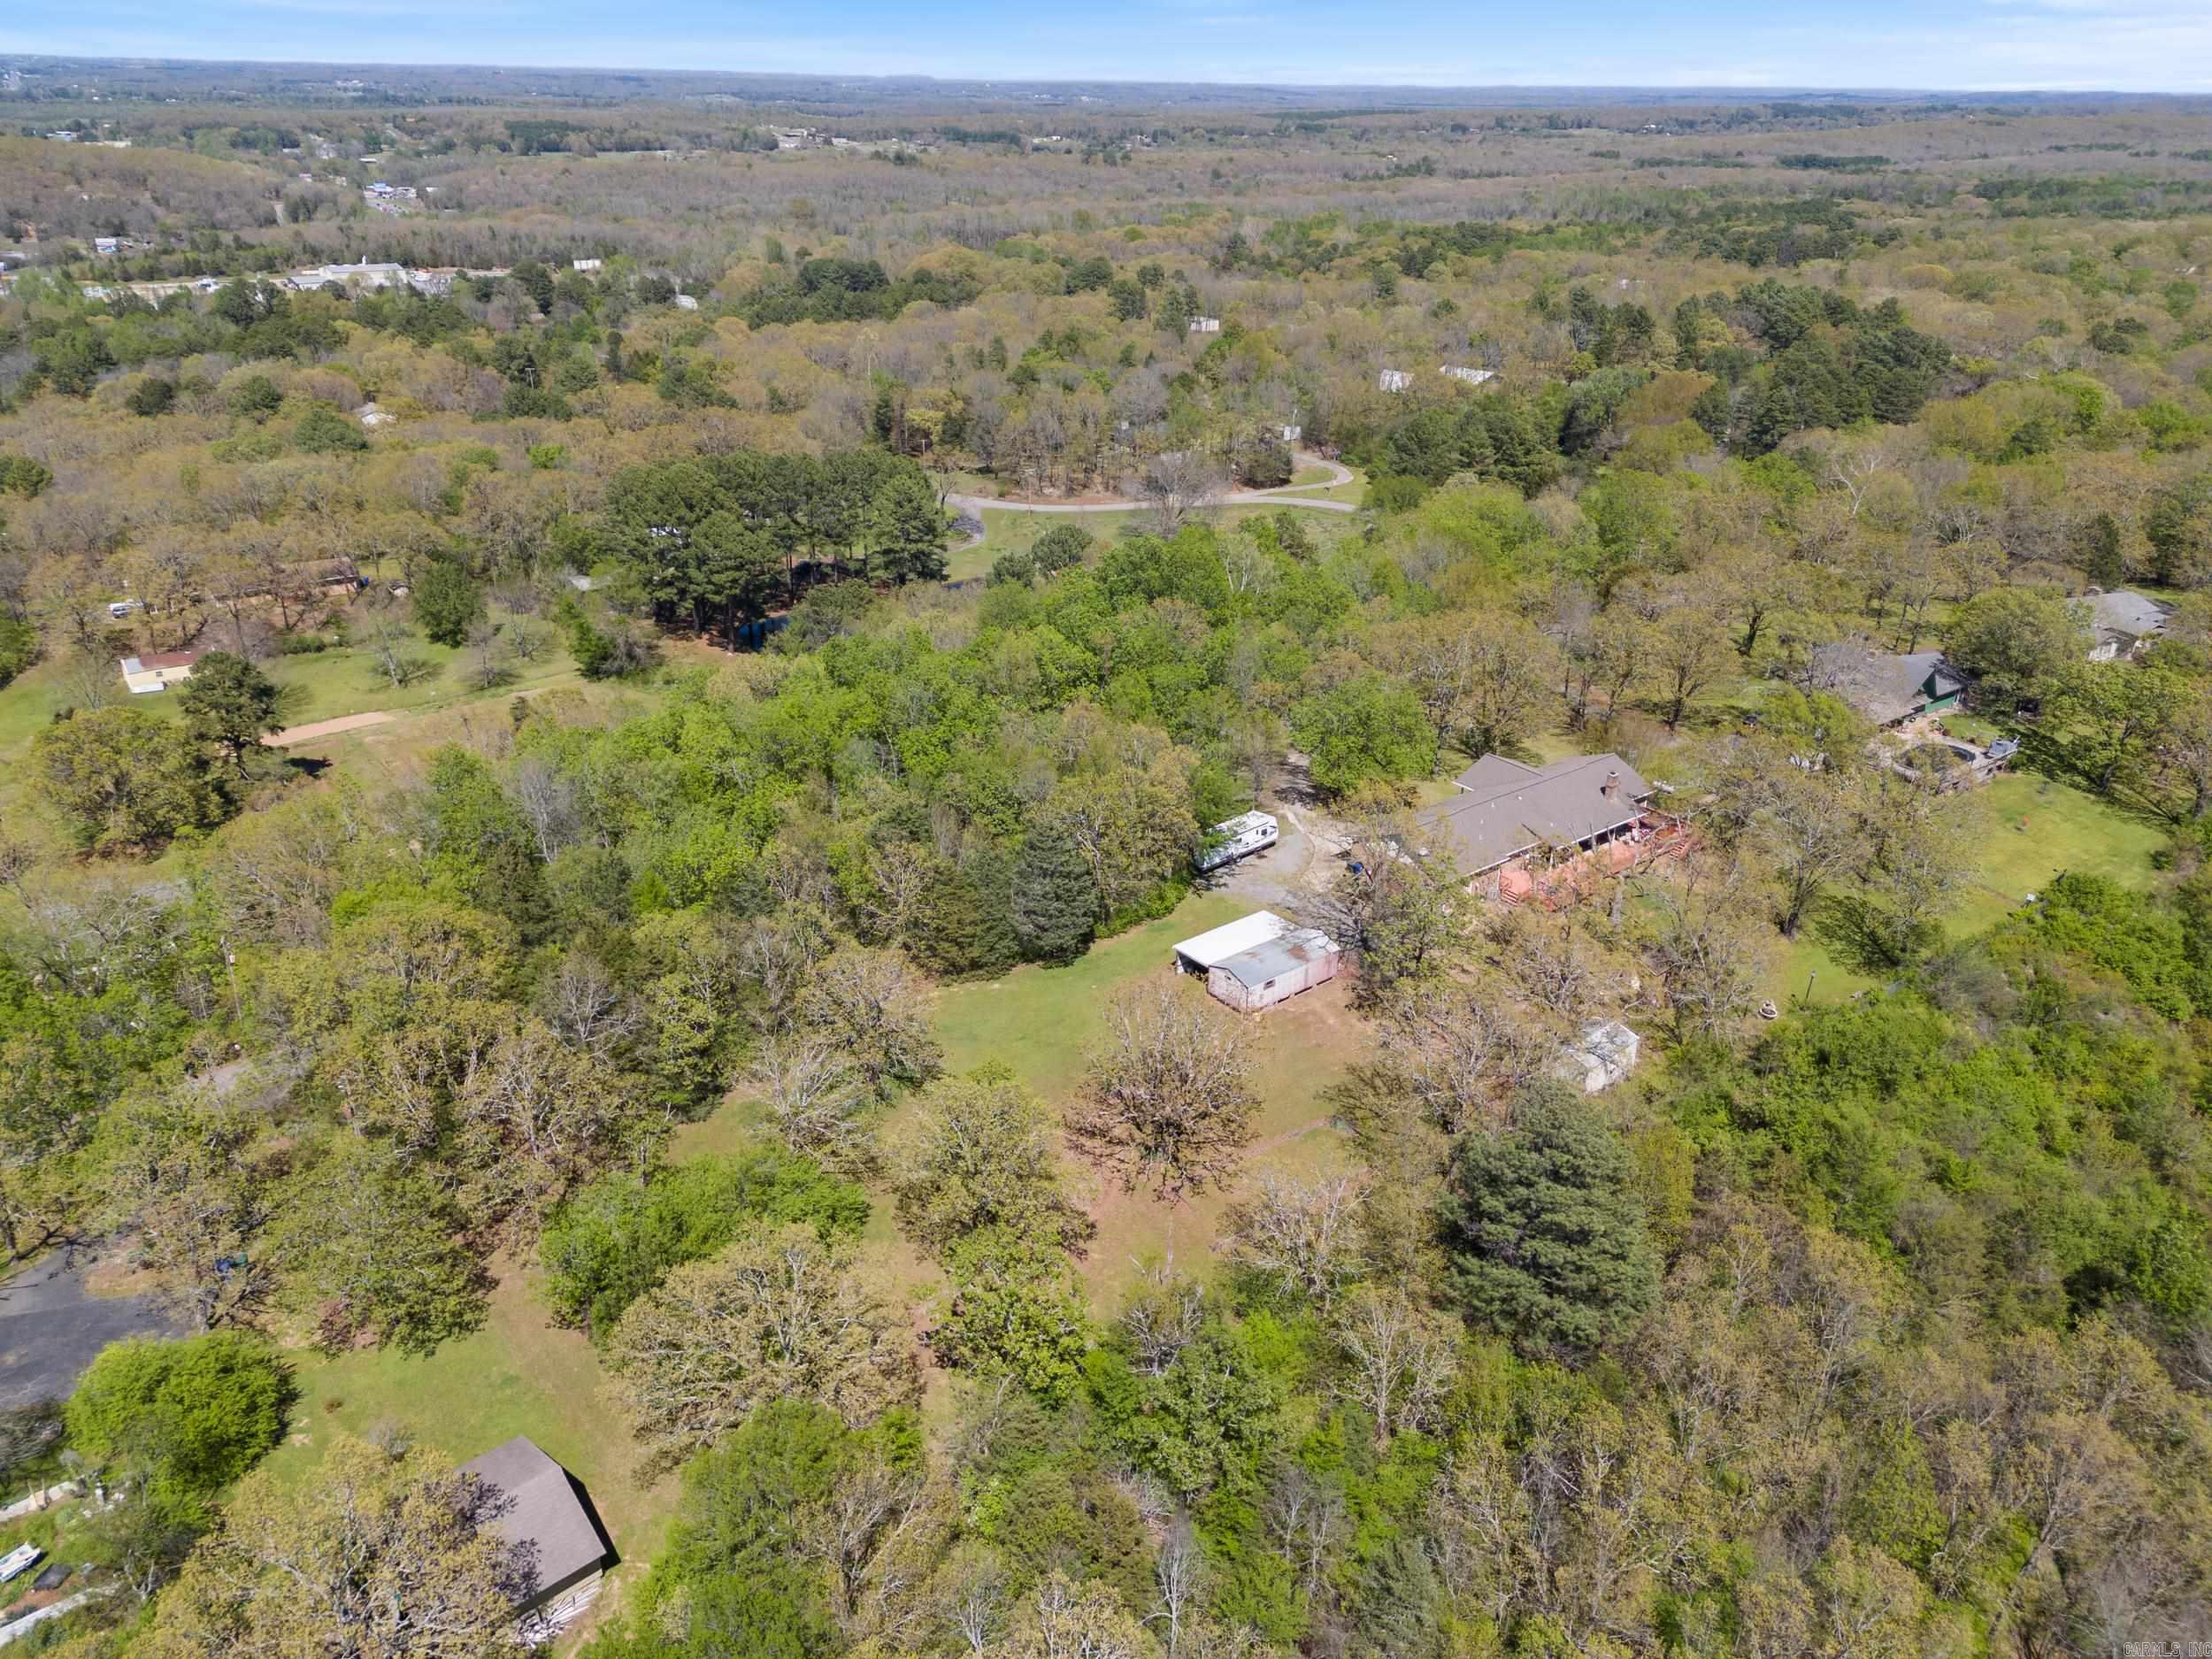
2041, 753
1864, 938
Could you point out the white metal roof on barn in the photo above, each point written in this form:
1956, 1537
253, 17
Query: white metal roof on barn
1231, 939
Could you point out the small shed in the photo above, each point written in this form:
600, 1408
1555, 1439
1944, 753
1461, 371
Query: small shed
536, 1503
1275, 971
1605, 1053
157, 672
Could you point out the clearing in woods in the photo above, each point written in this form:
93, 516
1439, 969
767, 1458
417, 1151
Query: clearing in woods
1041, 1022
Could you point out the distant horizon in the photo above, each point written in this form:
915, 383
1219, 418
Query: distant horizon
1719, 90
1729, 49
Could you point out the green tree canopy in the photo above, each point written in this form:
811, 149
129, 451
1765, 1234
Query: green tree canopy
230, 703
2015, 639
188, 1417
1547, 1235
1055, 896
120, 779
617, 1239
448, 603
1368, 730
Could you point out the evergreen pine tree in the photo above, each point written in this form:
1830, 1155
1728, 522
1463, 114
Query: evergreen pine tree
448, 603
1547, 1237
230, 703
907, 528
1056, 899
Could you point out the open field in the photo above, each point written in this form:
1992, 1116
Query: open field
1041, 1021
2027, 828
322, 687
330, 684
2030, 828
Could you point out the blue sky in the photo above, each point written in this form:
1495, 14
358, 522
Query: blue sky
2141, 45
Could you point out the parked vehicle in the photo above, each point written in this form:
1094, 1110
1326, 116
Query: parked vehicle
1249, 833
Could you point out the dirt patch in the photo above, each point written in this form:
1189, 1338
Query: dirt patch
314, 729
115, 1276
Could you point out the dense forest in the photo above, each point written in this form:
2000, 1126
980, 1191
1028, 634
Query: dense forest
647, 924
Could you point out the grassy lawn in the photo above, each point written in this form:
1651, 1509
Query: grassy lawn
322, 686
518, 1375
1038, 1020
1314, 481
1007, 532
1041, 1021
31, 699
2029, 827
1808, 973
347, 681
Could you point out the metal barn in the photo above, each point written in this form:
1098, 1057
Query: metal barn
1269, 974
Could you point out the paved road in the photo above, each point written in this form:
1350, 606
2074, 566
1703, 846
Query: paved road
51, 1327
1339, 474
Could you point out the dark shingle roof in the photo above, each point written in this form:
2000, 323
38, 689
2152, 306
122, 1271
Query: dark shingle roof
536, 1503
2126, 613
1504, 808
1889, 686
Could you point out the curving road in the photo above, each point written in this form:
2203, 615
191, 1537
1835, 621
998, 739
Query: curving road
1279, 495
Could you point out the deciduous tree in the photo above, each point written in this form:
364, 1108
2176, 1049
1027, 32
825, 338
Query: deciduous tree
1167, 1100
379, 1554
778, 1316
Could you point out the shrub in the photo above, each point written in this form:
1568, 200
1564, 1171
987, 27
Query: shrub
188, 1417
615, 1240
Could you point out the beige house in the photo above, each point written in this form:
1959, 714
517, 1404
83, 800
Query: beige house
158, 672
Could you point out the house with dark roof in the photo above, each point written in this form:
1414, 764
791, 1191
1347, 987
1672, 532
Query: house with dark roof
1504, 809
536, 1504
1890, 687
2124, 622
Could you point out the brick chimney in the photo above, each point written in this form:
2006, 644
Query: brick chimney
1612, 782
